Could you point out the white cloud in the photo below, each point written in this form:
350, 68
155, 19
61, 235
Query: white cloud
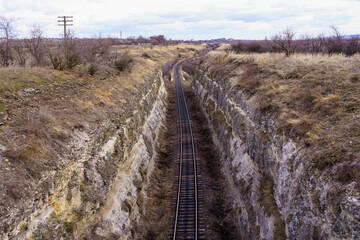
187, 18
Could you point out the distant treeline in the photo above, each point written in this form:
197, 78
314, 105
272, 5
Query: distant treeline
285, 42
66, 53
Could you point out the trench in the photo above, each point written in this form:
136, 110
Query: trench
257, 181
220, 222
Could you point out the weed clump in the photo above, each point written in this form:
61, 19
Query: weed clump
122, 62
92, 69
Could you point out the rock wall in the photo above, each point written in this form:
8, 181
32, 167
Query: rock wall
279, 197
101, 191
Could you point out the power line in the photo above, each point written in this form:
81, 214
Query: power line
65, 22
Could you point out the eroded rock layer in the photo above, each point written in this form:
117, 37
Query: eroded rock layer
279, 196
101, 192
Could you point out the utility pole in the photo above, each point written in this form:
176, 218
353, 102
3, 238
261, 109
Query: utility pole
64, 22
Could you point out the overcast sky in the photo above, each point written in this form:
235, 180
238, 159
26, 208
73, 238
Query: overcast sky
186, 19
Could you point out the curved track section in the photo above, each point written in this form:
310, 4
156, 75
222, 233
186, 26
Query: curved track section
188, 222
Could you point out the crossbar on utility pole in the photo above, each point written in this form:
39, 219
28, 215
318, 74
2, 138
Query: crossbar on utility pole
64, 22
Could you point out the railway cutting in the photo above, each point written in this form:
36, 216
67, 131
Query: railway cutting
188, 203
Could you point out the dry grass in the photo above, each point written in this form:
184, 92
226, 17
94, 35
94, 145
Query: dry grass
224, 47
314, 98
46, 106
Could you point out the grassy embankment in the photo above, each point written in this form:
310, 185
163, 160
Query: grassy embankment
45, 106
315, 99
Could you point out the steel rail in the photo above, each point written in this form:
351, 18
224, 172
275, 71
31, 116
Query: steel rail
181, 156
180, 96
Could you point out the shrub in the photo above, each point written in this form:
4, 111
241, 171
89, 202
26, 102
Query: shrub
66, 54
7, 33
57, 61
238, 47
72, 59
335, 42
122, 62
254, 47
157, 40
36, 46
69, 48
95, 50
20, 50
145, 55
352, 46
93, 69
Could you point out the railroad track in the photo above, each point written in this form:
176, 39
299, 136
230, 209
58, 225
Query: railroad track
187, 221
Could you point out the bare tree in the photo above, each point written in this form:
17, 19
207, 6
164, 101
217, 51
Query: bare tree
6, 37
319, 44
66, 55
306, 43
238, 47
97, 49
36, 46
284, 41
20, 50
71, 54
352, 46
335, 42
158, 40
56, 59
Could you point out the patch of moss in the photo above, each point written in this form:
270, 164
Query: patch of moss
83, 186
17, 86
69, 226
60, 79
53, 217
24, 225
3, 87
48, 234
39, 79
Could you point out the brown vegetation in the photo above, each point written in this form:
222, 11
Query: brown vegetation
44, 111
7, 30
314, 98
286, 41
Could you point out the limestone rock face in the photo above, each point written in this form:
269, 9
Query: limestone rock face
280, 195
100, 191
3, 118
